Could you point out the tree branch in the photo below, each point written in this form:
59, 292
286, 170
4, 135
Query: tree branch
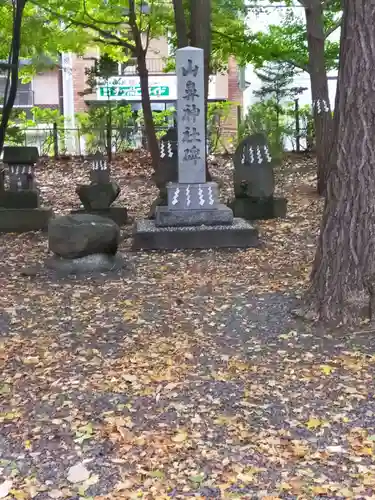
105, 34
148, 31
134, 28
113, 23
332, 29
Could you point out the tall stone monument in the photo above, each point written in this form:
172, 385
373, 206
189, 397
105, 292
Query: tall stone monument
194, 216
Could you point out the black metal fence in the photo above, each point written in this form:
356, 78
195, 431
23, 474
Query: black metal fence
57, 141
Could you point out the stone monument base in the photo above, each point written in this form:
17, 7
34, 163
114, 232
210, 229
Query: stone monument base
117, 214
147, 236
259, 209
94, 263
219, 216
27, 198
22, 220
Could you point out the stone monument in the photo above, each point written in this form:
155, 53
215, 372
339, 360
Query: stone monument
83, 243
19, 204
194, 216
98, 196
254, 181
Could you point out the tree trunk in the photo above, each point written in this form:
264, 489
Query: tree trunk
152, 140
12, 78
344, 262
180, 21
140, 52
319, 88
200, 36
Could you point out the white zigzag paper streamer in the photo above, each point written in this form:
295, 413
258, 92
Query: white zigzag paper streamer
188, 199
210, 197
259, 155
267, 154
170, 152
321, 106
243, 158
162, 150
175, 196
200, 194
251, 155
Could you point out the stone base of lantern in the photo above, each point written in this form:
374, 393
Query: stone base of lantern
259, 209
219, 216
117, 214
148, 236
22, 220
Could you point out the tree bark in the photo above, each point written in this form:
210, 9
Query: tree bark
200, 36
181, 26
152, 141
12, 78
319, 88
344, 262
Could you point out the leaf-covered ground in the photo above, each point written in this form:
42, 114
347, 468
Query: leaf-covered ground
184, 376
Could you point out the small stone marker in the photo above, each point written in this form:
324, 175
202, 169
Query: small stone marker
100, 172
254, 182
21, 164
19, 204
98, 196
168, 160
253, 168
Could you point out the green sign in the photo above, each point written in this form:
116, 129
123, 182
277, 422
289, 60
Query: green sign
133, 91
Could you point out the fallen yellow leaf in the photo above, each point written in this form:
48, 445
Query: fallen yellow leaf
326, 369
180, 437
314, 423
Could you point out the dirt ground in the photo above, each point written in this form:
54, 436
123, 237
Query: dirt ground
184, 375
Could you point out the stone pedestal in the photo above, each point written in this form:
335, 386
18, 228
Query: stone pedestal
19, 199
240, 234
22, 220
219, 216
259, 209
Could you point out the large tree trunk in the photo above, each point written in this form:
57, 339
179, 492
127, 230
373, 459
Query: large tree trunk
12, 78
152, 140
180, 22
344, 261
319, 88
200, 36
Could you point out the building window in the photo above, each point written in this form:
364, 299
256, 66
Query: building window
24, 96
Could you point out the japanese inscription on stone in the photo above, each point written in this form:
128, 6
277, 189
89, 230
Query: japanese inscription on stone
190, 116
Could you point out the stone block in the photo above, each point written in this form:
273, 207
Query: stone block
22, 220
253, 174
222, 215
94, 263
24, 155
98, 196
78, 235
117, 214
262, 209
19, 199
147, 236
193, 196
